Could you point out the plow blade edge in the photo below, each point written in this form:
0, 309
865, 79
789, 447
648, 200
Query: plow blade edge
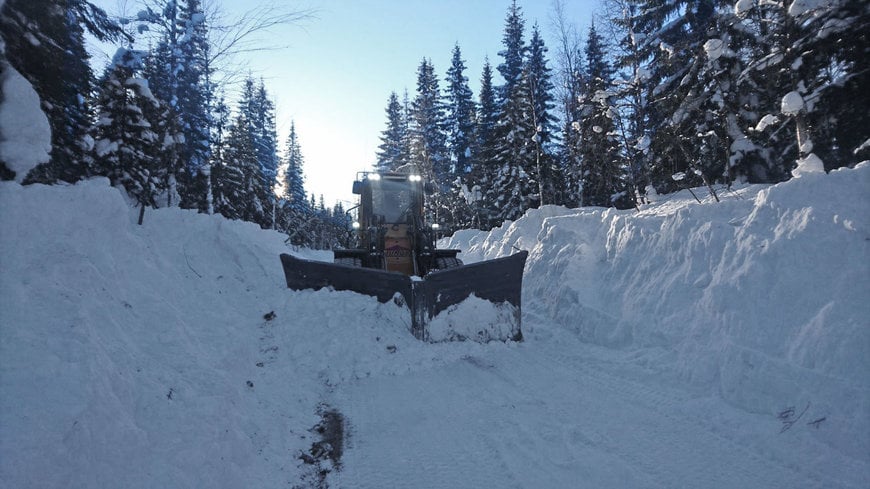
498, 281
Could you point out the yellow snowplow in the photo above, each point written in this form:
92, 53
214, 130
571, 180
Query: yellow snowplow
397, 260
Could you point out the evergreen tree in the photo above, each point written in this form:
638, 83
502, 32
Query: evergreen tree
195, 112
674, 32
510, 187
484, 165
460, 128
392, 152
241, 192
126, 145
45, 43
258, 112
629, 91
294, 179
460, 116
809, 59
603, 178
428, 141
487, 119
545, 172
178, 71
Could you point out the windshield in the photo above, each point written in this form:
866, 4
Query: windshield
392, 199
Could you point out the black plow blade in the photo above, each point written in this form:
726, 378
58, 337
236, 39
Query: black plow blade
480, 301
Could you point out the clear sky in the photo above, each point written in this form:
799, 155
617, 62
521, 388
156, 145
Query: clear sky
336, 69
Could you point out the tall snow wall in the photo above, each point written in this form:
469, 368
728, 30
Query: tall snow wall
763, 297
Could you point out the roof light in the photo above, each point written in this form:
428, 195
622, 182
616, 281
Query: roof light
374, 176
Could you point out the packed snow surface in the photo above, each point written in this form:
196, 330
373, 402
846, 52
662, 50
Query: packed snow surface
713, 345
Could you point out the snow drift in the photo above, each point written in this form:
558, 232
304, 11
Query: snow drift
763, 296
172, 354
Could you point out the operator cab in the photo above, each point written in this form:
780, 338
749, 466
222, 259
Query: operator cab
390, 220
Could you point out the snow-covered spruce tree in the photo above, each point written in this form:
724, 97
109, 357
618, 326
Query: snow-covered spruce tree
629, 85
460, 121
393, 152
126, 146
240, 190
460, 115
818, 95
44, 41
509, 192
672, 34
484, 165
258, 113
296, 211
177, 70
603, 178
428, 141
294, 178
710, 106
196, 113
545, 171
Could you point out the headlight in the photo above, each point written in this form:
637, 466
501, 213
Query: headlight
355, 225
415, 178
374, 176
436, 226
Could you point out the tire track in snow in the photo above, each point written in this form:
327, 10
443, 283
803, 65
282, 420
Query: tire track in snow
553, 416
764, 448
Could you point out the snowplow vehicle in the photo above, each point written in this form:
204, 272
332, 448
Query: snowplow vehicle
397, 260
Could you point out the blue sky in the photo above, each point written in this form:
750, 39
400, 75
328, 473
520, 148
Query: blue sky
335, 70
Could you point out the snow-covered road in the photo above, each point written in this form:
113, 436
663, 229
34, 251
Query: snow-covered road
561, 414
664, 348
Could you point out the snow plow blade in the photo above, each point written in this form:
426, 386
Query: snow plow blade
497, 281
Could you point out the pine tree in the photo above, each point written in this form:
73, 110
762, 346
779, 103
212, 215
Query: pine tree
603, 178
630, 96
392, 152
258, 113
483, 169
487, 119
460, 129
673, 33
510, 188
241, 192
45, 43
195, 112
545, 172
813, 74
460, 116
428, 141
126, 145
178, 70
294, 179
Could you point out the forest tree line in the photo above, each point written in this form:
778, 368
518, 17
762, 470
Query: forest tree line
657, 95
156, 121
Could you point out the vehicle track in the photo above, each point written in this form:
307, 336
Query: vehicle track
564, 414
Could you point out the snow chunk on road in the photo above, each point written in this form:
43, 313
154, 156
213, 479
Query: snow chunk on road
474, 319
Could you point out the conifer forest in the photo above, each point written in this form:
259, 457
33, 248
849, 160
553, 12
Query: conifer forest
653, 97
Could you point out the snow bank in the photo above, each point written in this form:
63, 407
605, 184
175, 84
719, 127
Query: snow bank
762, 297
169, 354
25, 136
